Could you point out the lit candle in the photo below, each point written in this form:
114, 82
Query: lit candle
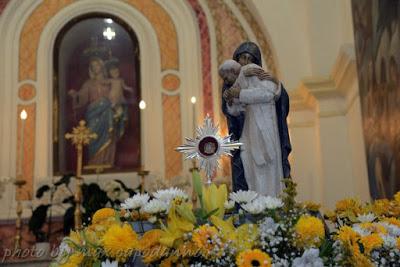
23, 116
142, 105
193, 100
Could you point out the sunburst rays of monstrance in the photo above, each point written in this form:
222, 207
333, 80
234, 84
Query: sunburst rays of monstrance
207, 147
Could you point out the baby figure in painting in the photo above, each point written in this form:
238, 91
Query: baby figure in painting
261, 150
117, 86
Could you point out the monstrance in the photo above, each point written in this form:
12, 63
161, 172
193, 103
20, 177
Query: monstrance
208, 147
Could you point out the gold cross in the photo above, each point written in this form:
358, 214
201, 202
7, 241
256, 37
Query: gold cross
80, 136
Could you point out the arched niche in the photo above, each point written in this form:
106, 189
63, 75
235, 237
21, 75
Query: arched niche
97, 79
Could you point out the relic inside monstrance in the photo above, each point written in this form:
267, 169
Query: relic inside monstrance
208, 146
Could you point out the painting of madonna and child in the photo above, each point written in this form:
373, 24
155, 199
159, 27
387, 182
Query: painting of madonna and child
97, 79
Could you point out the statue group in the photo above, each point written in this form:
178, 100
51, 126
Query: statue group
256, 106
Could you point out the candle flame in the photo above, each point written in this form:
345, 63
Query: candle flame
23, 115
193, 100
142, 104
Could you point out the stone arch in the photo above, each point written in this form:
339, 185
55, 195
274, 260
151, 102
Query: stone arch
32, 61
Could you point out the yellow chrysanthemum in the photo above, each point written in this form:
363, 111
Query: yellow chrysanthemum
347, 235
169, 262
392, 220
309, 231
119, 242
255, 257
103, 214
187, 249
397, 197
309, 205
155, 253
73, 261
360, 260
203, 238
330, 215
371, 242
150, 239
348, 204
381, 206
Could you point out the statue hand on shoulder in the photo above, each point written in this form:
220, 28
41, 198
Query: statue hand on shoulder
260, 73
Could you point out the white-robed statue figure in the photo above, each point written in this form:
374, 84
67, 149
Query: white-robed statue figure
261, 150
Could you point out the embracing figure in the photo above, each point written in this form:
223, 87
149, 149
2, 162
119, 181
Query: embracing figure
243, 126
261, 151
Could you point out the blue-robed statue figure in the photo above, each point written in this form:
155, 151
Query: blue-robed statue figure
104, 117
246, 53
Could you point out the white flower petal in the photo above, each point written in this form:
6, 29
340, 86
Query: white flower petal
241, 196
135, 202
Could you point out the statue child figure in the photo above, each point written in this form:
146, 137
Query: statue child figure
117, 86
261, 151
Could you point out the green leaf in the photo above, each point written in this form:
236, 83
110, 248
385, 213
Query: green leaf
198, 186
118, 217
199, 213
211, 213
97, 263
326, 248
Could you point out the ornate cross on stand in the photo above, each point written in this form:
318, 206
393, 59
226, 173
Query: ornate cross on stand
80, 136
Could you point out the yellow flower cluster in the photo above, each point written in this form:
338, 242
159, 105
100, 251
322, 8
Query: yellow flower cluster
119, 242
204, 238
309, 231
371, 242
397, 197
73, 260
311, 206
351, 240
102, 215
255, 257
347, 235
349, 204
150, 247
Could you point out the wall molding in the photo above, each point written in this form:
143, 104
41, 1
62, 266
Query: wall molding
338, 91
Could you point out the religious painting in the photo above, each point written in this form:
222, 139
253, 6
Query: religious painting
97, 79
377, 41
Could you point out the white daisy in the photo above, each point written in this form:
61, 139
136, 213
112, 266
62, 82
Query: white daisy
271, 202
155, 206
135, 202
241, 196
254, 207
365, 218
167, 195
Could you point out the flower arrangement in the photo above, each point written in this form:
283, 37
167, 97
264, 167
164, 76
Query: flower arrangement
58, 194
236, 229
